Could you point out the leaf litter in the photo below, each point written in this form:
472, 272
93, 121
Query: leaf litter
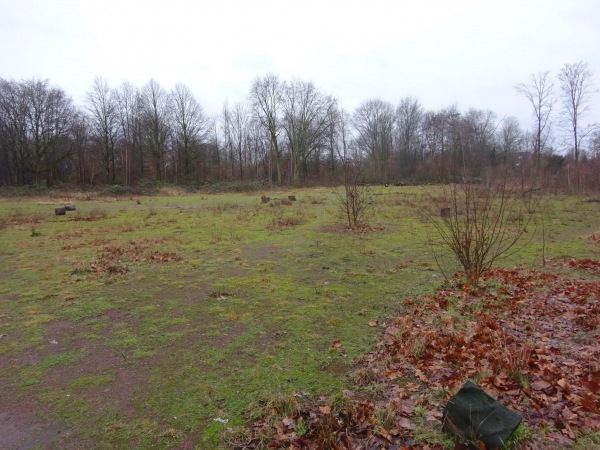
113, 259
530, 339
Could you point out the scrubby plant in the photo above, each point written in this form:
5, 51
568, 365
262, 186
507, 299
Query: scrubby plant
354, 199
482, 222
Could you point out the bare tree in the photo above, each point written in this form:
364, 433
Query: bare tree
259, 147
595, 143
409, 115
538, 91
11, 124
443, 145
433, 136
306, 116
128, 102
103, 120
576, 88
156, 117
266, 95
82, 155
236, 129
191, 128
45, 137
228, 139
477, 140
374, 123
338, 136
511, 138
241, 122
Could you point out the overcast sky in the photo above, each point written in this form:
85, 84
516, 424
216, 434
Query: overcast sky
468, 53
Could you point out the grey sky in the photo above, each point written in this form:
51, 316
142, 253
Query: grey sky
469, 53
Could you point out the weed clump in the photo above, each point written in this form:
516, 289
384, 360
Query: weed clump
283, 222
364, 376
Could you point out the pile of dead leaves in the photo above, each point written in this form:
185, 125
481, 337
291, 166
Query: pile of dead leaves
529, 339
345, 229
162, 257
589, 265
114, 259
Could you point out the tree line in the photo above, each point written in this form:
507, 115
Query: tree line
287, 132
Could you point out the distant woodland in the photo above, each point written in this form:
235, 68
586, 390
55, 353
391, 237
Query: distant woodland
290, 132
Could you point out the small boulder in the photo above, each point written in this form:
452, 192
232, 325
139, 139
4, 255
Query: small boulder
474, 415
61, 211
70, 207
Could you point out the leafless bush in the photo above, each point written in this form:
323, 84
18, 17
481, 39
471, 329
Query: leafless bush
485, 222
353, 199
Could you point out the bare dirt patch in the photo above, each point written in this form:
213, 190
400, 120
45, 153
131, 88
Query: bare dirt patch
128, 376
227, 336
261, 252
5, 274
23, 419
17, 432
55, 332
23, 424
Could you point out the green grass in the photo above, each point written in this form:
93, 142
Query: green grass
92, 381
248, 310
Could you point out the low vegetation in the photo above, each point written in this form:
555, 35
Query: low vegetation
483, 222
217, 321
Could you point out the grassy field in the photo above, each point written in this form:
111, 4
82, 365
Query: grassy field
138, 322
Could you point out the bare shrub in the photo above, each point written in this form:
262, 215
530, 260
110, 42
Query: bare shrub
485, 222
354, 199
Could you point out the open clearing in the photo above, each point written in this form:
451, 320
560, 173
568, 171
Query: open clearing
154, 322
